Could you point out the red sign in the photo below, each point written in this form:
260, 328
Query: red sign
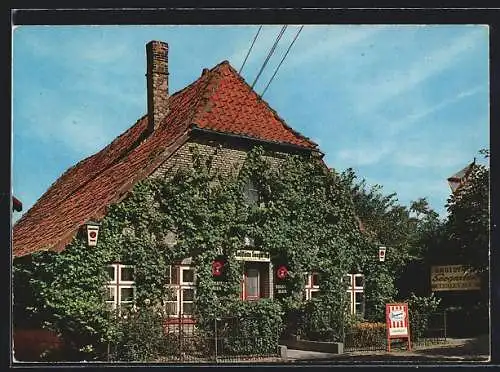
398, 322
217, 268
282, 272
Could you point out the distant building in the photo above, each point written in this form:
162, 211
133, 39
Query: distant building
459, 178
16, 204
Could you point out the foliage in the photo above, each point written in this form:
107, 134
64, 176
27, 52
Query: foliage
139, 335
305, 216
322, 322
421, 309
253, 328
407, 234
469, 223
366, 334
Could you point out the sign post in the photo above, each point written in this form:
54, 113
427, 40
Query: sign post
398, 323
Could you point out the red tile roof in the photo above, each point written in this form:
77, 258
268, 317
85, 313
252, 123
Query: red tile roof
219, 100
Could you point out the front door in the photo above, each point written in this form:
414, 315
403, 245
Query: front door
252, 284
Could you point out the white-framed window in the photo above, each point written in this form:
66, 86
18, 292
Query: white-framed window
120, 286
356, 294
311, 289
180, 280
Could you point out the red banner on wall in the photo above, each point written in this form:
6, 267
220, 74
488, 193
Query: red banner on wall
398, 323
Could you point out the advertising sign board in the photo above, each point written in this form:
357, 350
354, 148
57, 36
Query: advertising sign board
453, 278
398, 322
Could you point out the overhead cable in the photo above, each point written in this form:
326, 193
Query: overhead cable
249, 50
271, 51
279, 65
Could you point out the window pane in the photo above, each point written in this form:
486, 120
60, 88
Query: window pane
126, 294
172, 295
172, 308
175, 275
315, 279
359, 302
359, 296
252, 283
111, 294
127, 274
111, 273
314, 294
188, 276
187, 294
359, 281
187, 308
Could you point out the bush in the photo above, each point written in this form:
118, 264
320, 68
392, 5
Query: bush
320, 322
139, 336
365, 334
248, 328
421, 309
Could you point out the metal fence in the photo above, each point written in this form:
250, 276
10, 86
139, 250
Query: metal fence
216, 340
425, 329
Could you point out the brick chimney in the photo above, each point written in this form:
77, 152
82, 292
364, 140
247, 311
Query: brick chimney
157, 81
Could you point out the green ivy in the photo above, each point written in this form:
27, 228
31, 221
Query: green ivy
306, 216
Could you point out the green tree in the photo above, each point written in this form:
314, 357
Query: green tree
468, 224
409, 234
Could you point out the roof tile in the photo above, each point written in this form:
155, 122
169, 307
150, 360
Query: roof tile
219, 100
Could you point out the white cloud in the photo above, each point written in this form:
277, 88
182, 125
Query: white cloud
363, 155
375, 93
395, 126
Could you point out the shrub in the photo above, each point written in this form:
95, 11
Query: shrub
366, 334
140, 335
320, 322
421, 309
248, 328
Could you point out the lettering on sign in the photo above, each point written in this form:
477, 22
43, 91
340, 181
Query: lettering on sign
248, 255
453, 278
280, 289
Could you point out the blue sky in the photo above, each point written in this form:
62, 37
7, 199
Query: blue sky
405, 106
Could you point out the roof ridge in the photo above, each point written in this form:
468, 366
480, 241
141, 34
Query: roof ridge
260, 99
204, 98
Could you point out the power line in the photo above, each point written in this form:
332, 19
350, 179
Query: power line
279, 65
282, 31
249, 50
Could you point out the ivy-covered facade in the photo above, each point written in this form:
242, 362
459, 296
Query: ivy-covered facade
233, 216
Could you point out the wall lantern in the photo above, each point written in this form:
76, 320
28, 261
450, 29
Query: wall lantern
92, 233
381, 254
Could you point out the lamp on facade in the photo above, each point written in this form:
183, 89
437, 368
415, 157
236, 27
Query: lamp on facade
92, 233
381, 254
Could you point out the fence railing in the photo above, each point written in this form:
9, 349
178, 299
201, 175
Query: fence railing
214, 341
425, 329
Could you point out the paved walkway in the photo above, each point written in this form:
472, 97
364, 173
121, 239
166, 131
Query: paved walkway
455, 350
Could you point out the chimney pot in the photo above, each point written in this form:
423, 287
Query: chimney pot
157, 83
